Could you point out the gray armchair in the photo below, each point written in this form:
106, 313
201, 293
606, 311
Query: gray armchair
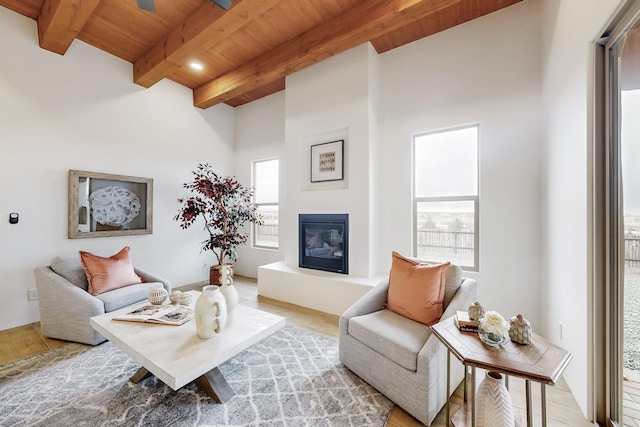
398, 356
66, 305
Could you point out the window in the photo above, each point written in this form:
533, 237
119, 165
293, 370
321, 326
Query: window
445, 182
266, 184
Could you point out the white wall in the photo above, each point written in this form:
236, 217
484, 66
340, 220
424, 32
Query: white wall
81, 111
259, 134
486, 71
568, 31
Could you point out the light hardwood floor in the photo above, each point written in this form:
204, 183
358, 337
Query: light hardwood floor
562, 409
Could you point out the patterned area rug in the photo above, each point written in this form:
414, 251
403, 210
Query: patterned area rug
292, 378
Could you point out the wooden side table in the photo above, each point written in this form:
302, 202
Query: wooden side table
540, 361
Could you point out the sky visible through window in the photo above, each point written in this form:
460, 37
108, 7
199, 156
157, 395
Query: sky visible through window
446, 164
266, 181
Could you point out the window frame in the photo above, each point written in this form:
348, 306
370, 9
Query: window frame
459, 198
254, 226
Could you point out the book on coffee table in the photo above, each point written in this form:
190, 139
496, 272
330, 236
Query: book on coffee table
163, 314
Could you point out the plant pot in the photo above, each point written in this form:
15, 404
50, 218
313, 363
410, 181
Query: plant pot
215, 274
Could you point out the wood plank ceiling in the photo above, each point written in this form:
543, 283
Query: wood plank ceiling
246, 51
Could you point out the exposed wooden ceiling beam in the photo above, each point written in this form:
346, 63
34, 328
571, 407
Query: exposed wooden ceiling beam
30, 8
60, 21
335, 36
207, 26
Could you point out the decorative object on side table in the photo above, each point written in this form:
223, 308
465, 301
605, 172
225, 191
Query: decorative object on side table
182, 298
174, 297
225, 206
494, 406
211, 312
493, 328
226, 287
520, 330
464, 323
157, 296
475, 311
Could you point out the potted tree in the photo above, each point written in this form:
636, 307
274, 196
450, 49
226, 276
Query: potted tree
224, 205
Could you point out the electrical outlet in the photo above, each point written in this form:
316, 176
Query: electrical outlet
560, 324
32, 294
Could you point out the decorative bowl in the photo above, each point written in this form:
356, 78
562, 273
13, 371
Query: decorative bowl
490, 338
157, 296
174, 297
185, 298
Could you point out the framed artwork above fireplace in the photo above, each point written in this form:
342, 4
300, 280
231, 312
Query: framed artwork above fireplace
327, 161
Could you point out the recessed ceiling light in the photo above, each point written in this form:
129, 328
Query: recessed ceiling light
196, 66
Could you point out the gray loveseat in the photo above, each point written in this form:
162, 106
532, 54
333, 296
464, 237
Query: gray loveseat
398, 356
66, 305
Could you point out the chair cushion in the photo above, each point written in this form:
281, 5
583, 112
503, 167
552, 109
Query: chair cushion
394, 336
121, 297
71, 269
416, 290
106, 274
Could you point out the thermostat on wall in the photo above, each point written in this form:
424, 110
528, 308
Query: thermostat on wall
13, 218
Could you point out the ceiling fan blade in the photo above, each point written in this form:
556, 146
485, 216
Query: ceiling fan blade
146, 5
149, 6
225, 4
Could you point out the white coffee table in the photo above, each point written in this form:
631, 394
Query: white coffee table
177, 356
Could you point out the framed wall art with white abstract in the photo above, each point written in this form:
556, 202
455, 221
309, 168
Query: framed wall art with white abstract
102, 205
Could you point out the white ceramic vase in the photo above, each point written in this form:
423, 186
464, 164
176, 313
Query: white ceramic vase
493, 402
226, 287
211, 312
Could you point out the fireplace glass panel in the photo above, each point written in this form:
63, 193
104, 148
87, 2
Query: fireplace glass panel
323, 242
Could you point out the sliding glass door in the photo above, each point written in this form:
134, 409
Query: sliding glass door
621, 79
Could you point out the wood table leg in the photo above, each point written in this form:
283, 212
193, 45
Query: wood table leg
213, 384
140, 374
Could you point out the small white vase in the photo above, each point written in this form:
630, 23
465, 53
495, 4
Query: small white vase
226, 287
493, 402
211, 312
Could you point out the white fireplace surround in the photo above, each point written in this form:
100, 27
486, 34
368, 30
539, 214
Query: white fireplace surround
328, 292
335, 99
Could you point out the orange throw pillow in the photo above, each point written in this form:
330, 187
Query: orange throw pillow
106, 274
416, 290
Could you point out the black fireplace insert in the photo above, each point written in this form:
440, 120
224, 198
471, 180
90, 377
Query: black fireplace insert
324, 242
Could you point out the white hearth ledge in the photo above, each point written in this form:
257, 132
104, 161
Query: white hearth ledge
327, 292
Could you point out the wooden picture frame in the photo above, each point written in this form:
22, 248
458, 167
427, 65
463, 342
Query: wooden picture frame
104, 205
327, 161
